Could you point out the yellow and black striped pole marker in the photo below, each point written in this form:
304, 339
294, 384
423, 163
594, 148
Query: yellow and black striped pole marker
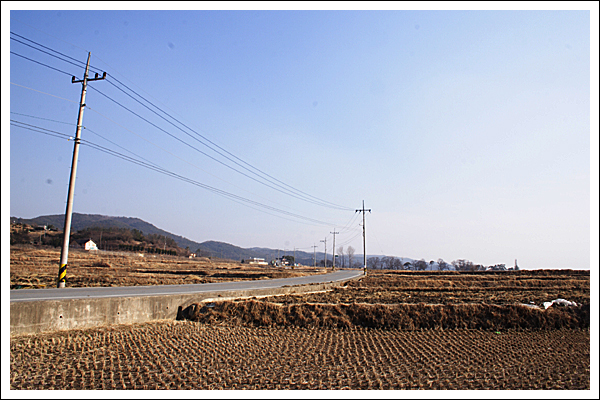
62, 275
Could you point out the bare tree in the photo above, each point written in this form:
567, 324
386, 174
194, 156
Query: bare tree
374, 263
463, 265
350, 250
421, 265
386, 262
341, 253
397, 263
442, 265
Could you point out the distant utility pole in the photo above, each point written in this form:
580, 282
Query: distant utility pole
364, 241
325, 261
64, 256
314, 256
334, 233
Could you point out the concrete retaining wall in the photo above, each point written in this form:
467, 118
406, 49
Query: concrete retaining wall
30, 317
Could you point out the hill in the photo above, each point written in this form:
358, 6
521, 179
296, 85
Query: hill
82, 222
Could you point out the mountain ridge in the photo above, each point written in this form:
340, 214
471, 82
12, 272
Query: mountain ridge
210, 248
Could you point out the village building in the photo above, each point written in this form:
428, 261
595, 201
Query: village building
90, 245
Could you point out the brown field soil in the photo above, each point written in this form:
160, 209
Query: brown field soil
35, 267
388, 330
188, 355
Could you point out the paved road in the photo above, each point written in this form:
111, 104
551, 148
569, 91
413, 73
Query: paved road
134, 291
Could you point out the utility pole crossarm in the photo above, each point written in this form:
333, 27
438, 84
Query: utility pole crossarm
96, 78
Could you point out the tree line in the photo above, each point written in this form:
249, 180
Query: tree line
395, 263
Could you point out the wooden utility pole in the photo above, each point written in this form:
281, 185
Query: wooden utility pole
64, 255
364, 241
334, 233
325, 261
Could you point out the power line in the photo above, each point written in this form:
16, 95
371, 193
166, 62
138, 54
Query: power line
156, 168
303, 196
45, 52
289, 190
45, 119
319, 201
91, 109
204, 153
40, 130
347, 241
195, 148
39, 30
37, 62
77, 63
39, 91
172, 154
348, 226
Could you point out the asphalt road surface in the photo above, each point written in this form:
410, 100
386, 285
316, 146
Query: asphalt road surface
133, 291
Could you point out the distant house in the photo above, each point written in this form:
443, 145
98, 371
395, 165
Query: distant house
259, 261
90, 245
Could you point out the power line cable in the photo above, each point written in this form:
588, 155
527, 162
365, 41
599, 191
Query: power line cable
39, 91
76, 62
119, 146
318, 201
156, 168
195, 148
284, 191
218, 152
45, 119
66, 73
172, 154
90, 108
40, 129
347, 241
347, 226
46, 33
45, 65
45, 52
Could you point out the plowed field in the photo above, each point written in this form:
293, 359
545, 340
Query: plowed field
389, 330
450, 287
188, 355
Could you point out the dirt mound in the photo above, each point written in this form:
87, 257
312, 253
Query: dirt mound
387, 316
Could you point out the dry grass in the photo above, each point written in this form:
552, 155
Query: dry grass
392, 316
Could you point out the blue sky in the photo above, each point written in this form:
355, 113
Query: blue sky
467, 133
